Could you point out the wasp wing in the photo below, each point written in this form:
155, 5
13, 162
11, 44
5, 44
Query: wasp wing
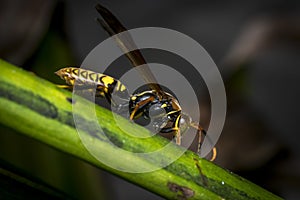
113, 26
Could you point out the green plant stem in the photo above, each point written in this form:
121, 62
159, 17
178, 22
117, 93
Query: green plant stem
39, 109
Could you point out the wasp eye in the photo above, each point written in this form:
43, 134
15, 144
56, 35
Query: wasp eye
157, 111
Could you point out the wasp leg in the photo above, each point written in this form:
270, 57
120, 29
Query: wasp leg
214, 154
79, 87
138, 105
200, 131
65, 86
175, 129
204, 179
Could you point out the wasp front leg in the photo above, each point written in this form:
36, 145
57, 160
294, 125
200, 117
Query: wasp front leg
176, 128
200, 131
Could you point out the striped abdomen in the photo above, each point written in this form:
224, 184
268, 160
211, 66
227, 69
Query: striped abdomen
105, 84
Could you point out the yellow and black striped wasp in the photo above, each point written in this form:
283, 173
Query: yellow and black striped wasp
166, 111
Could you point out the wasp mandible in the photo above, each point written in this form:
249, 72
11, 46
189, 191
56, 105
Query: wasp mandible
165, 109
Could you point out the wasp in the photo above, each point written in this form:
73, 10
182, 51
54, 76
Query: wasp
162, 107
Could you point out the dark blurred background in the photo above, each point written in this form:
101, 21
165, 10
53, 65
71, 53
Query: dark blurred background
255, 44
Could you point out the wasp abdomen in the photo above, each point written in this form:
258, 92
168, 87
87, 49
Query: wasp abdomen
105, 85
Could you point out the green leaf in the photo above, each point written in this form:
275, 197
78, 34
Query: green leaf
38, 109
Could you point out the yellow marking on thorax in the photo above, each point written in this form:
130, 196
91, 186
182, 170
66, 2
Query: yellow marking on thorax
171, 112
133, 98
147, 91
164, 105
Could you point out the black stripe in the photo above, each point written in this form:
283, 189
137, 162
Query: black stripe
75, 71
84, 74
91, 76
